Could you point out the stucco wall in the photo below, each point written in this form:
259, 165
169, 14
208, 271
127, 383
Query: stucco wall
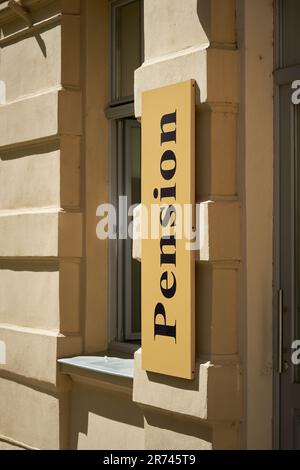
104, 419
40, 220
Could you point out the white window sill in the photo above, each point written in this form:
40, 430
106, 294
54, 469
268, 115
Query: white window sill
107, 369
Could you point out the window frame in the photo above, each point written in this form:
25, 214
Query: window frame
284, 75
119, 110
114, 73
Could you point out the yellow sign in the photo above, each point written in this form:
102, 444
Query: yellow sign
168, 263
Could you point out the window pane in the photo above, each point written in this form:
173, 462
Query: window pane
128, 54
296, 145
131, 285
136, 296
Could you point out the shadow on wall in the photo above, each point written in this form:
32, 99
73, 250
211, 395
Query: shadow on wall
26, 150
104, 419
203, 12
9, 30
41, 44
32, 266
192, 432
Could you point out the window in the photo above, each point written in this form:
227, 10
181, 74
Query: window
127, 47
126, 37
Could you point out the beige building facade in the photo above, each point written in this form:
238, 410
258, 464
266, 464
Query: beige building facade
67, 380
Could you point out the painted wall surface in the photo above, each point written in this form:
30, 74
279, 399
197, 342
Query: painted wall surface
40, 219
54, 160
258, 151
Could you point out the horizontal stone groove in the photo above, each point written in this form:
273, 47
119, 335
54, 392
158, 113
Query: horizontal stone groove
220, 107
38, 331
49, 143
43, 107
42, 92
222, 264
218, 198
220, 359
26, 149
39, 211
231, 264
27, 3
223, 45
41, 235
30, 382
39, 259
31, 330
30, 211
41, 262
29, 96
15, 443
33, 265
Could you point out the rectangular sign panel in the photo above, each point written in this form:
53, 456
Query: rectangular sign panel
168, 201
